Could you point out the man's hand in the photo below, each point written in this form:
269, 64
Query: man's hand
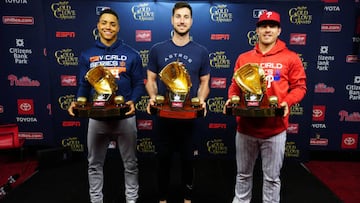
226, 104
286, 108
131, 108
203, 105
70, 109
150, 103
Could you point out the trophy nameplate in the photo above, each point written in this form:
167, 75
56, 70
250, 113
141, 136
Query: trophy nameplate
177, 110
105, 103
253, 101
176, 104
88, 111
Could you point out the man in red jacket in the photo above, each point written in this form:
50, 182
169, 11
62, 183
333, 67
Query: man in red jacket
286, 79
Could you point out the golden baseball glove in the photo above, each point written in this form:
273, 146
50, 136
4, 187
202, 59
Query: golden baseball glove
176, 78
102, 80
251, 78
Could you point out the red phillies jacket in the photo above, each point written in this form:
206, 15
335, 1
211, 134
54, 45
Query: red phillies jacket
286, 79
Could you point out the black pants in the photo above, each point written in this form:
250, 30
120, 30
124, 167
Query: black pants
175, 136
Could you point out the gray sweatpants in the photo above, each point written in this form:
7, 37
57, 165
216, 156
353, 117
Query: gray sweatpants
272, 155
100, 133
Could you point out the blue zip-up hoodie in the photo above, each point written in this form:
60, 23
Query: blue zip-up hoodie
123, 62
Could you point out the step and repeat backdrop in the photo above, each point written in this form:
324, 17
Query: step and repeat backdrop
41, 42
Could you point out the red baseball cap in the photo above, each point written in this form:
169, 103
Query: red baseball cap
269, 17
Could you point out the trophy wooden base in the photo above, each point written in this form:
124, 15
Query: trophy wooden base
187, 112
254, 112
109, 111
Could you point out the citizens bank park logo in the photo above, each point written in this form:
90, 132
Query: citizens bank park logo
144, 124
331, 27
143, 35
25, 106
297, 39
18, 20
218, 83
349, 141
318, 113
68, 80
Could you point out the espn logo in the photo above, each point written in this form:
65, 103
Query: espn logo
59, 34
220, 37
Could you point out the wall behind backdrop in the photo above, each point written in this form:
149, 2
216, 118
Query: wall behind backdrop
42, 40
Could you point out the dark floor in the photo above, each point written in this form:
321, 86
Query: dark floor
66, 182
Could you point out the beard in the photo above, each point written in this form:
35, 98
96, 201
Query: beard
181, 33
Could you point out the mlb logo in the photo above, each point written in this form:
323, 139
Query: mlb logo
258, 12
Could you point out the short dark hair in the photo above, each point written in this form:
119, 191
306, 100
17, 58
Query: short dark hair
109, 11
181, 4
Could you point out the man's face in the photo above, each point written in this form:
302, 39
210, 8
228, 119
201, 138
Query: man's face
182, 21
108, 27
268, 33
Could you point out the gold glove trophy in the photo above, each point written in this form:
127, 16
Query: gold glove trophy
105, 102
253, 102
176, 103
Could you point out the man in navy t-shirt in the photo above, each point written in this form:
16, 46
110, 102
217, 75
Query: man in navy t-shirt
175, 135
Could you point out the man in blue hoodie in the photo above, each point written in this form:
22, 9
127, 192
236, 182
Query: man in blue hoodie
126, 66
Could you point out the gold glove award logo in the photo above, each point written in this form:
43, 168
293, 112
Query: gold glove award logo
219, 60
300, 15
145, 145
142, 12
176, 102
73, 143
66, 57
252, 38
105, 103
144, 54
63, 10
217, 147
216, 104
221, 14
253, 100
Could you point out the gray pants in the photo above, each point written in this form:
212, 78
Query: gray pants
272, 156
100, 133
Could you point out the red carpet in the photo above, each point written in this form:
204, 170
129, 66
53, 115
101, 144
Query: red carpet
13, 173
342, 178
